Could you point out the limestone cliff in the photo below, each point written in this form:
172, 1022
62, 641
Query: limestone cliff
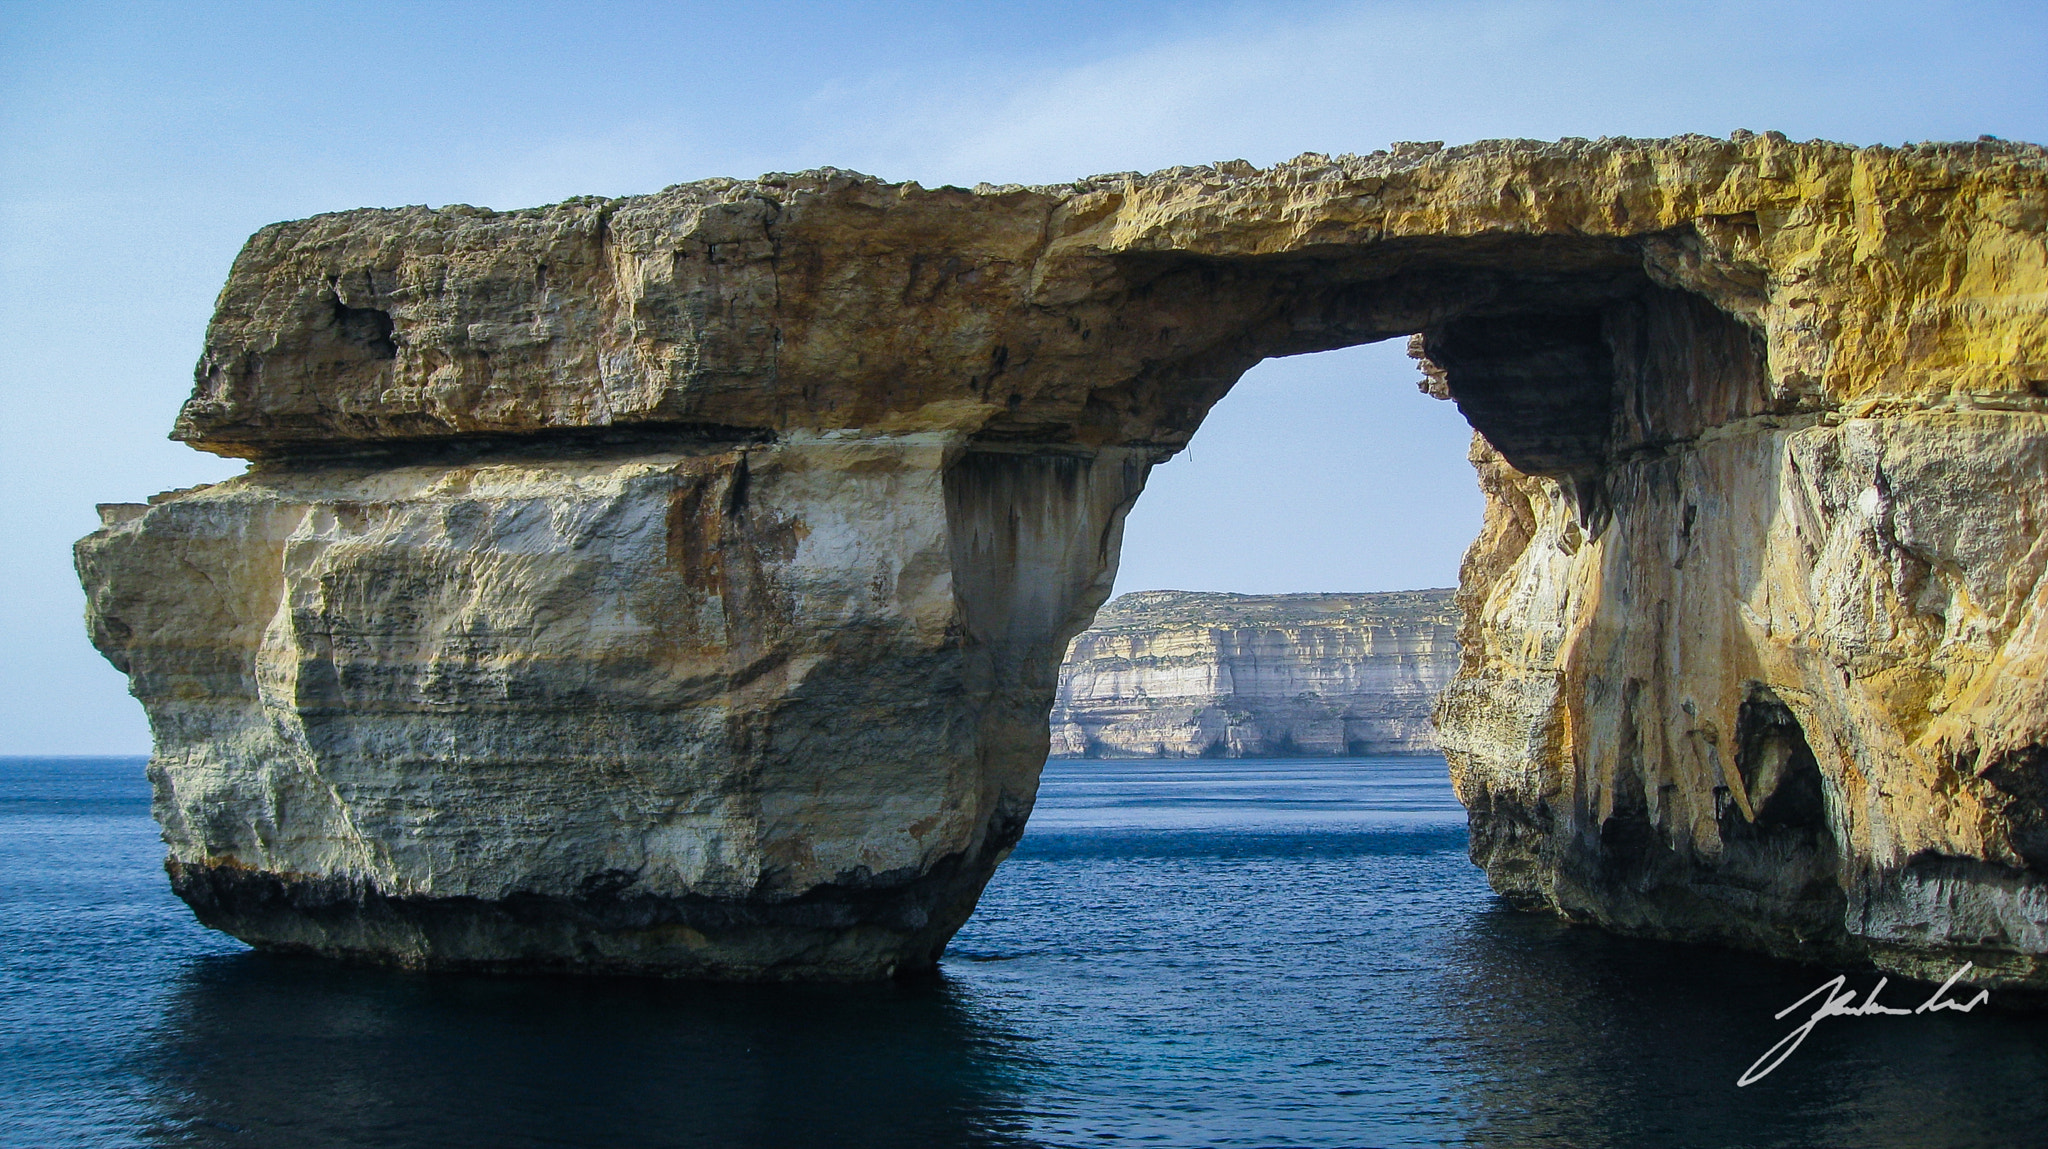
1181, 674
677, 583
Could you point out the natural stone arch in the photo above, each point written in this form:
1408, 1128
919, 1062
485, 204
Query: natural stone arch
677, 583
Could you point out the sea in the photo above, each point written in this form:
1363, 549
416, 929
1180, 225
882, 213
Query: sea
1180, 953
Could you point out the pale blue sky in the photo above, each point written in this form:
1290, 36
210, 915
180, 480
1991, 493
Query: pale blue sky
140, 144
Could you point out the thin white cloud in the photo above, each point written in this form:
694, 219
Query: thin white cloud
1347, 77
1360, 76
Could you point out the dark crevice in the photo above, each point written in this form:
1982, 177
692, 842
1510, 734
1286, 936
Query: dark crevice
1786, 854
2020, 782
554, 443
367, 328
1781, 776
1630, 844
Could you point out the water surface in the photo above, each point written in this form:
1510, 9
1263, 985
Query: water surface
1180, 953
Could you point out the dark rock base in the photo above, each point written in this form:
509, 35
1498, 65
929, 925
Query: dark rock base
827, 934
1772, 896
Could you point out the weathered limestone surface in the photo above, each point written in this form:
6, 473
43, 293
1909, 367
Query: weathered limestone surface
762, 711
677, 583
1187, 674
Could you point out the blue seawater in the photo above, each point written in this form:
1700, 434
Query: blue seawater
1256, 953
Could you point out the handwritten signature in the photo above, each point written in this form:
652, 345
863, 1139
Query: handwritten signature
1839, 1002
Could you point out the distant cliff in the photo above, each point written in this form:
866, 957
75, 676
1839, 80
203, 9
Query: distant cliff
1182, 674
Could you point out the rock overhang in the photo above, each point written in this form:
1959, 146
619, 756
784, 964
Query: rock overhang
1111, 310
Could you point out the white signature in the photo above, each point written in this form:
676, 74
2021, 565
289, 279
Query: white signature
1838, 1002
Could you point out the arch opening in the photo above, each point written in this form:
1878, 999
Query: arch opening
1563, 353
1590, 380
1319, 472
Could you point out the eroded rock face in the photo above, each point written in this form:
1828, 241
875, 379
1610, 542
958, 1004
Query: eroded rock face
1187, 674
677, 583
732, 712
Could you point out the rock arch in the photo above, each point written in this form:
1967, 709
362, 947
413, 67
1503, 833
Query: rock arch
677, 583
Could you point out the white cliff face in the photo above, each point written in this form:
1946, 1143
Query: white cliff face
620, 709
1179, 674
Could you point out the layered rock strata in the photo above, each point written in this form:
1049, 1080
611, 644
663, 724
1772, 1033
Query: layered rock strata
1184, 674
753, 710
677, 583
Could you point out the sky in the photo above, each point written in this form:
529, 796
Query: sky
140, 144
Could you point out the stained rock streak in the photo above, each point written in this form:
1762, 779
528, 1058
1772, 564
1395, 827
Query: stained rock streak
677, 583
